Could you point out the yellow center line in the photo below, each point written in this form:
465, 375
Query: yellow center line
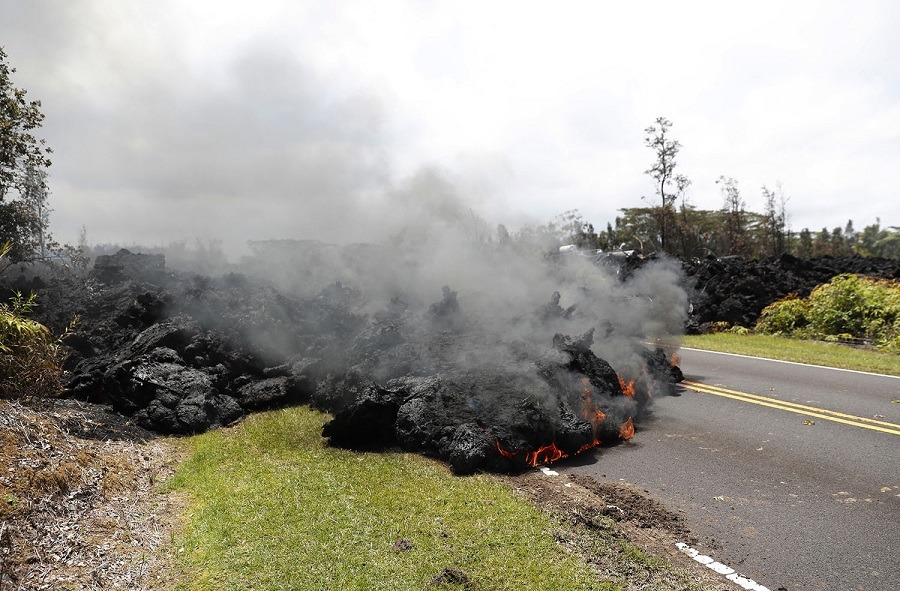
812, 411
793, 404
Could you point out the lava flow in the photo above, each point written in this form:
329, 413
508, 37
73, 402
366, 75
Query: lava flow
546, 454
549, 453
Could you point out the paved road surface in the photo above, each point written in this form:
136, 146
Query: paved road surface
796, 486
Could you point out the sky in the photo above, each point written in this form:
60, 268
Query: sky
344, 121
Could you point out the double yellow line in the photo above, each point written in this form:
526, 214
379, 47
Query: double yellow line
801, 409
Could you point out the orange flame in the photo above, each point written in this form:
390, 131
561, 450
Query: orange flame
626, 431
503, 452
546, 454
627, 388
589, 410
588, 446
676, 359
549, 453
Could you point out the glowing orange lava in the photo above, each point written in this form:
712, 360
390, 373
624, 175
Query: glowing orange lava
627, 387
626, 431
589, 410
588, 446
503, 452
546, 454
549, 453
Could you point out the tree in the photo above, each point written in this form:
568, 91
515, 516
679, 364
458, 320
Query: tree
572, 229
805, 244
822, 244
735, 216
663, 174
850, 237
34, 197
635, 227
23, 162
875, 241
774, 220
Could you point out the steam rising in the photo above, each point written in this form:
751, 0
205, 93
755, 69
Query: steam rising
510, 297
268, 152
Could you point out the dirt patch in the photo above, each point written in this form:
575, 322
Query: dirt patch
80, 506
622, 516
625, 502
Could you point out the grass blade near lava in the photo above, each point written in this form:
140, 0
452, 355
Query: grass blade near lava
274, 508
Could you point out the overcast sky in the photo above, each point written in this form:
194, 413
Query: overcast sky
176, 120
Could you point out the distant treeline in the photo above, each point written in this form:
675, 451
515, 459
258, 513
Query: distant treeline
700, 232
674, 226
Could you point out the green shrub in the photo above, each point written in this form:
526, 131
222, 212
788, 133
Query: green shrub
31, 356
841, 306
849, 307
788, 317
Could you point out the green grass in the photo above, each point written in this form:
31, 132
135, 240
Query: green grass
813, 352
274, 508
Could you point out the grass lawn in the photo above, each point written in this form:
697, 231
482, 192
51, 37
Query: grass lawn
812, 352
274, 508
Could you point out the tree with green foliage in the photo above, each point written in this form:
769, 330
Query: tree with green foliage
875, 241
804, 244
839, 246
571, 228
636, 227
850, 236
774, 222
24, 159
668, 185
822, 245
731, 230
735, 216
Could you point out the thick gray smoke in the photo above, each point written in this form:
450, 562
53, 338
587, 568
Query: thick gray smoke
265, 150
513, 294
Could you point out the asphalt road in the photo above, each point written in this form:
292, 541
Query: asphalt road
796, 486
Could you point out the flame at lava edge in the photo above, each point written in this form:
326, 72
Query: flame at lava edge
549, 453
546, 454
627, 387
626, 431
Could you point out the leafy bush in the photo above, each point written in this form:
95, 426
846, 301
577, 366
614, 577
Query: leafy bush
31, 356
787, 316
841, 306
848, 307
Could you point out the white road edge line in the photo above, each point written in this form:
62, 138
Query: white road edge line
722, 569
728, 572
868, 373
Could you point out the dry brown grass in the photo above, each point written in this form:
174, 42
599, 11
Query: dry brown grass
79, 500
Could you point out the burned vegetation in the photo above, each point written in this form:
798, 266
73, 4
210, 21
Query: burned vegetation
495, 379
